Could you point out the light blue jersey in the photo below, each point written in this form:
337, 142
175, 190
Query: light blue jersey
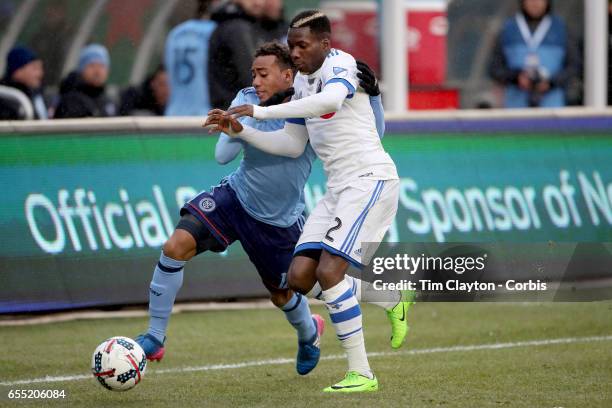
270, 187
186, 61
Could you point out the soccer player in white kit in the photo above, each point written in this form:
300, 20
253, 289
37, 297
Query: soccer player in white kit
362, 182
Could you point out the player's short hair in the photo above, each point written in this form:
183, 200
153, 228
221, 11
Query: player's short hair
280, 51
316, 20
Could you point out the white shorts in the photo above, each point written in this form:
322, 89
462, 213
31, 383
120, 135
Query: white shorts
342, 220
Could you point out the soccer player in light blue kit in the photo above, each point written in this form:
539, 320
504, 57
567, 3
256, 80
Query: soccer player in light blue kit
186, 60
260, 204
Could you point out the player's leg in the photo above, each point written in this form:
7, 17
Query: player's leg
396, 303
329, 271
302, 275
302, 278
270, 249
366, 211
345, 314
309, 327
198, 230
371, 229
188, 239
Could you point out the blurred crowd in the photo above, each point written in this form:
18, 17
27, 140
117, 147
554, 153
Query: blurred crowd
208, 58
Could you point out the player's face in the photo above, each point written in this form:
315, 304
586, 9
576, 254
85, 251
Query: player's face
269, 77
308, 51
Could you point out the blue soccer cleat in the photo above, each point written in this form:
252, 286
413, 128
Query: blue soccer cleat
152, 347
309, 353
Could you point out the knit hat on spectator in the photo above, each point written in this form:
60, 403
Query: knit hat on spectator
93, 53
17, 58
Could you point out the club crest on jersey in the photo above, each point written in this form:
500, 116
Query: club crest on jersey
207, 204
339, 71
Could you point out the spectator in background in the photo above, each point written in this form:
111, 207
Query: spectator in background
83, 92
24, 72
187, 55
272, 25
232, 47
533, 57
148, 99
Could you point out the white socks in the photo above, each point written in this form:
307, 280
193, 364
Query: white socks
345, 314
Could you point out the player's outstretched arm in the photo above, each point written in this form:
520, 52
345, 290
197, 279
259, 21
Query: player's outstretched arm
289, 141
227, 149
327, 101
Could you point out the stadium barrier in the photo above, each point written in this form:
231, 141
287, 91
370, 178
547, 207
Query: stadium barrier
87, 204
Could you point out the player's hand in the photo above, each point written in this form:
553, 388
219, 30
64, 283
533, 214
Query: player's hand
367, 79
240, 111
220, 121
279, 97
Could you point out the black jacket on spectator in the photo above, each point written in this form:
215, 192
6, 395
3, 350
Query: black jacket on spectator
271, 30
230, 55
140, 101
80, 100
11, 110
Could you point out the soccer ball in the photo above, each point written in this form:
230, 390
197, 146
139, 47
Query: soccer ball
119, 363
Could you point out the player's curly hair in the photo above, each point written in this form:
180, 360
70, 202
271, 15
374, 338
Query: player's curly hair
316, 20
280, 51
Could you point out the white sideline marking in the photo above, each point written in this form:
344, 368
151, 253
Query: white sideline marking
280, 361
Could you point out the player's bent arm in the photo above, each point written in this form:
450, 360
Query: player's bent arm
227, 149
289, 141
329, 100
379, 114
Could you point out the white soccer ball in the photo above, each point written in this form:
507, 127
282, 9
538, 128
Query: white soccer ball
119, 363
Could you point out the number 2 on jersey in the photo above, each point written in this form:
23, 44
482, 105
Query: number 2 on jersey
334, 228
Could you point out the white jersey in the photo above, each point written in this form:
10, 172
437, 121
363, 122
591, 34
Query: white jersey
346, 141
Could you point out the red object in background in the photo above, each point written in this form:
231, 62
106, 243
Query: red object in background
355, 30
427, 28
433, 98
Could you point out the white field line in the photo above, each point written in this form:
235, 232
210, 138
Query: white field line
281, 361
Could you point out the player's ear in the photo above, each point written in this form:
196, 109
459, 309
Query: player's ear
325, 43
288, 76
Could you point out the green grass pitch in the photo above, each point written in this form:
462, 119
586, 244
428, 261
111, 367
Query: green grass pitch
512, 363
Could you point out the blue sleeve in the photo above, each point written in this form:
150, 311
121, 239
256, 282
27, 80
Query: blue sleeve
379, 114
228, 148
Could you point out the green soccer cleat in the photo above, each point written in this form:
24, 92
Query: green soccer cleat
398, 319
354, 382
